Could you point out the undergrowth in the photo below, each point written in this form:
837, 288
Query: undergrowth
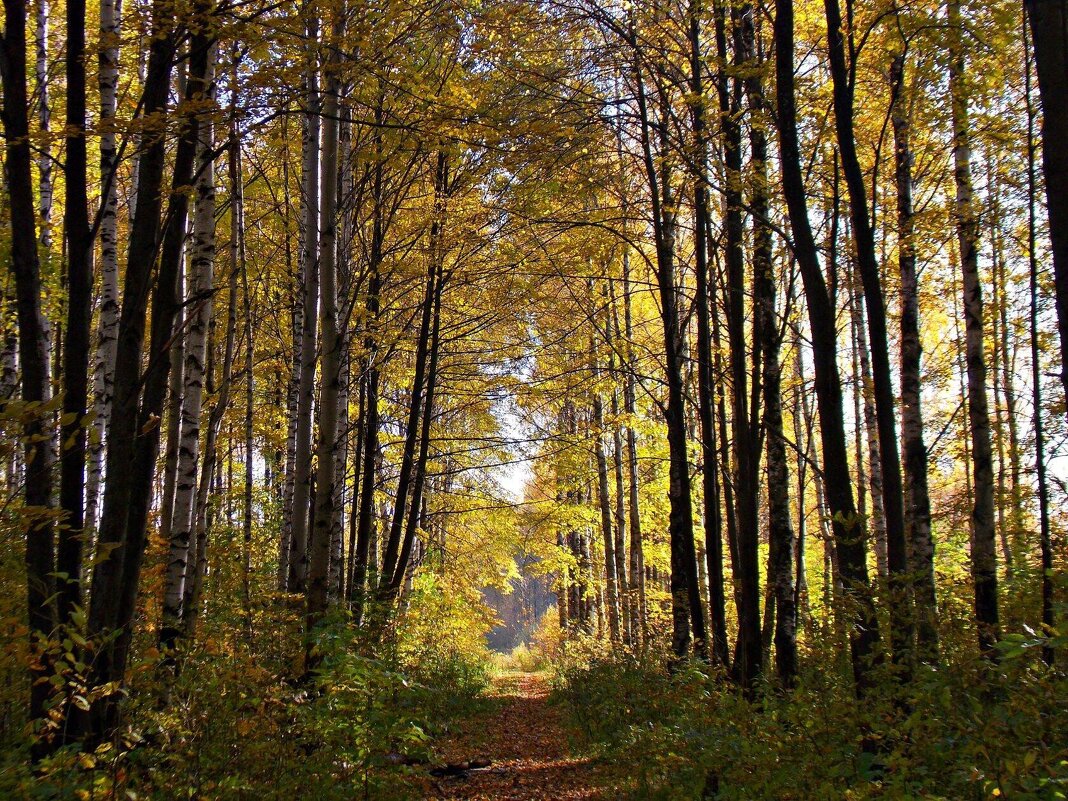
966, 731
239, 722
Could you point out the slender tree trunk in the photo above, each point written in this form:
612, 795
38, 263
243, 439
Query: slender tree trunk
625, 597
237, 215
200, 283
366, 531
637, 563
79, 310
174, 413
709, 474
1045, 544
605, 505
803, 440
107, 336
901, 622
404, 480
748, 662
984, 552
309, 255
864, 634
1010, 527
326, 464
114, 545
211, 469
686, 604
33, 350
165, 305
724, 461
354, 511
45, 186
419, 481
867, 421
336, 573
209, 489
766, 346
916, 496
296, 300
780, 531
1049, 29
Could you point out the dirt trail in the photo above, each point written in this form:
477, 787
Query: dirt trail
524, 739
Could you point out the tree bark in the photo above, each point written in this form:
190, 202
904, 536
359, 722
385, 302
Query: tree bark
107, 336
390, 558
780, 530
604, 503
296, 290
33, 350
200, 289
79, 310
1045, 544
366, 549
713, 521
309, 255
843, 79
1049, 29
419, 481
686, 607
321, 535
847, 529
45, 186
209, 472
637, 562
984, 551
916, 496
748, 660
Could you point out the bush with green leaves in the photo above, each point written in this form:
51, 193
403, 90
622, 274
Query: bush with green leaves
972, 730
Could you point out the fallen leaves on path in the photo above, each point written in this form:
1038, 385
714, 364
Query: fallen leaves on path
523, 738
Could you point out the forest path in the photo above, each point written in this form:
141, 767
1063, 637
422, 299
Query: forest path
523, 737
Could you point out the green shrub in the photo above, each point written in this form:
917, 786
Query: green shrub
966, 732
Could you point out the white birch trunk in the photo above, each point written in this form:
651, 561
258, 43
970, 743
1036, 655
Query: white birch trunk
200, 282
104, 366
298, 566
319, 546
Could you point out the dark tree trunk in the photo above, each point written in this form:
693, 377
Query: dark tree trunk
637, 563
748, 659
847, 528
33, 347
766, 363
709, 455
604, 504
1045, 544
165, 304
309, 255
419, 482
916, 496
901, 623
686, 606
115, 547
984, 551
1049, 29
366, 551
404, 479
79, 309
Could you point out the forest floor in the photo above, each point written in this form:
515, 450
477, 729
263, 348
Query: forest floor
523, 739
